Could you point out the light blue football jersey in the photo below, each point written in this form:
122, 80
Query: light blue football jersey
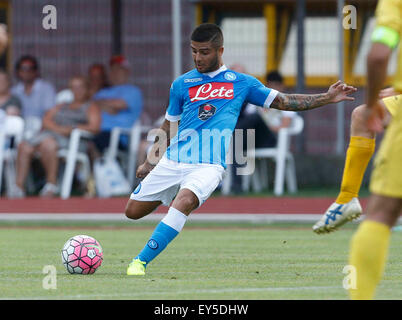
208, 106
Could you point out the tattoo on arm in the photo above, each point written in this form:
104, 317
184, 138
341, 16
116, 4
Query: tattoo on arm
299, 102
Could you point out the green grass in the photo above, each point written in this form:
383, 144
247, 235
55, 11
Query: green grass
208, 261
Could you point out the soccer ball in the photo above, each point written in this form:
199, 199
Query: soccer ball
82, 254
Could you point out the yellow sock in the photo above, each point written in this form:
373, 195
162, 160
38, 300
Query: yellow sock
358, 156
368, 253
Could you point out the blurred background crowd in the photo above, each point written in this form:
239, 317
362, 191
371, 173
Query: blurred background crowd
109, 64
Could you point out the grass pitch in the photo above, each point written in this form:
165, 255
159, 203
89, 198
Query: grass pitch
206, 261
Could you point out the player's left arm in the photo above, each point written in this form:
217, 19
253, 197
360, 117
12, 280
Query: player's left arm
377, 65
337, 92
385, 38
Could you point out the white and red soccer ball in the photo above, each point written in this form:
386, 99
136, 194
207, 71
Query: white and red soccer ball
82, 255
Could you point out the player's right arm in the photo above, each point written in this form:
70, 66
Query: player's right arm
167, 130
163, 135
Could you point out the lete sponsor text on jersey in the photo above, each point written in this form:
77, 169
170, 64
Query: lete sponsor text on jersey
211, 90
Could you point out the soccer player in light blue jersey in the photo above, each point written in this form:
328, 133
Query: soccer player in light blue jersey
187, 160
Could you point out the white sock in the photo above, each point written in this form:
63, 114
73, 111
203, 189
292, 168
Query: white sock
175, 219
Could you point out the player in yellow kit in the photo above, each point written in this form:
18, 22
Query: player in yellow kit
362, 141
369, 245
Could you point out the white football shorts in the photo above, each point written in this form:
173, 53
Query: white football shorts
168, 177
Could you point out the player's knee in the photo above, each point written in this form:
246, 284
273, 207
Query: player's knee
358, 114
187, 202
138, 209
132, 214
358, 125
131, 211
358, 121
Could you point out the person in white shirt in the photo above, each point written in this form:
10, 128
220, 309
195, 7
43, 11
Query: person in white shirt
37, 95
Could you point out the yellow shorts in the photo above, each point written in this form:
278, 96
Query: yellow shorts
386, 178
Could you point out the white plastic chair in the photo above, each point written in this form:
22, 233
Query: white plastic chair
15, 127
12, 127
285, 169
134, 134
72, 156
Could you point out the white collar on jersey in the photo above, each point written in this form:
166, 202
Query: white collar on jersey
214, 73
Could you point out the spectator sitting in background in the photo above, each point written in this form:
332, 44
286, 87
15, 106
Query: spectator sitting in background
97, 80
11, 104
37, 95
58, 123
121, 105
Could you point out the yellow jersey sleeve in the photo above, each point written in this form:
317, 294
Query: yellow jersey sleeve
389, 14
388, 31
389, 23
